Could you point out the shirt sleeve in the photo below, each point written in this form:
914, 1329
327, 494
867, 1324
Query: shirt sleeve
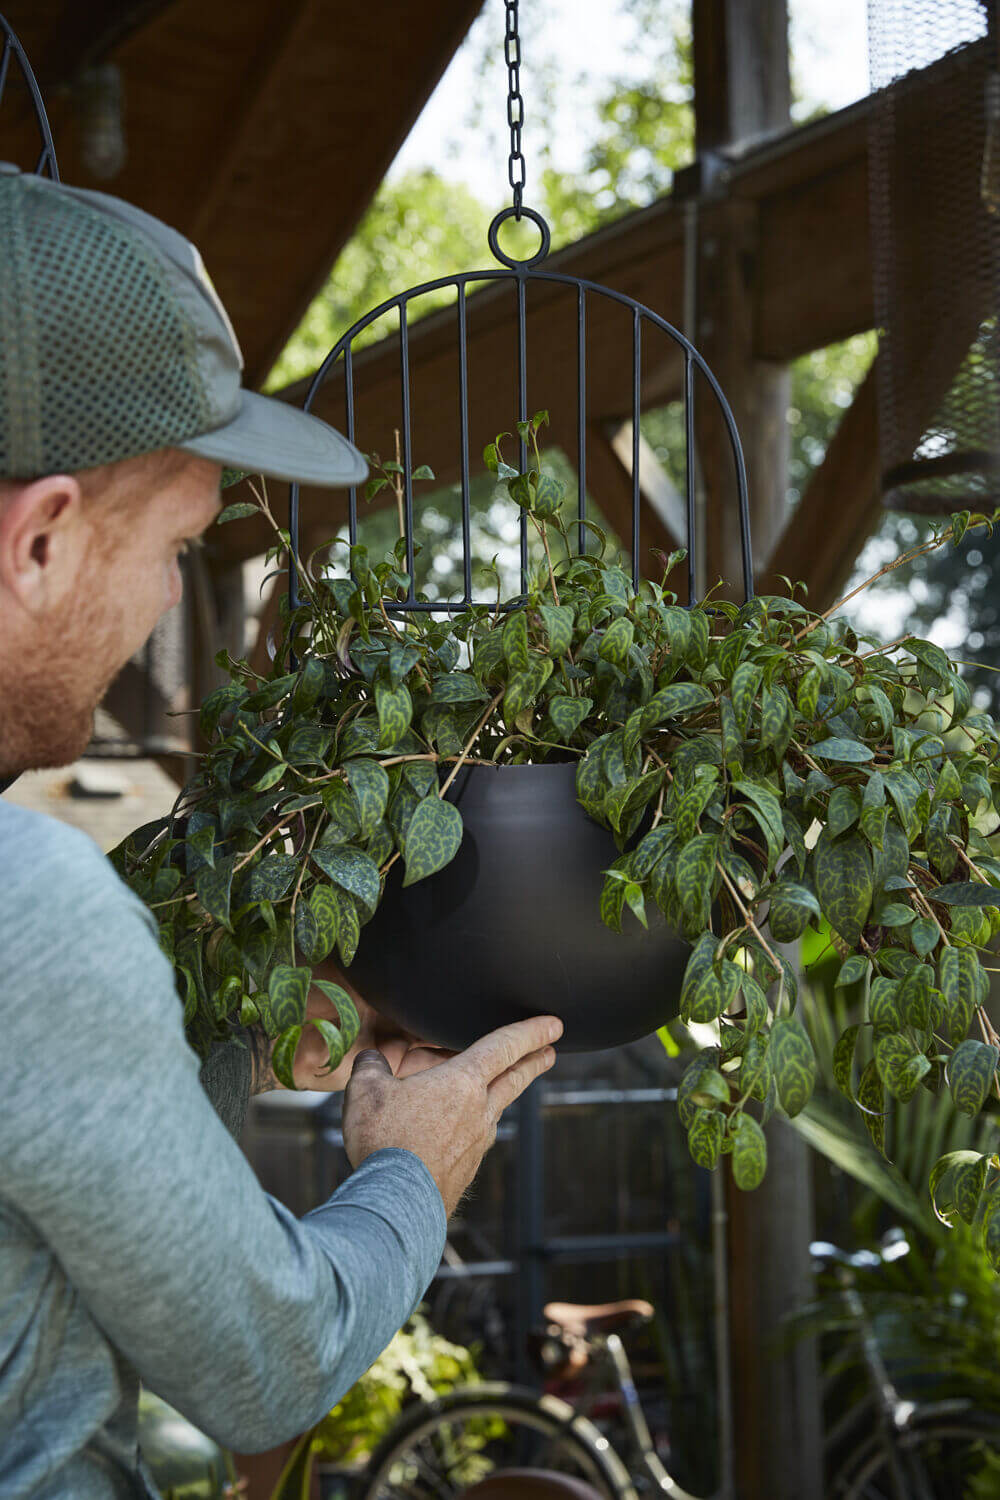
253, 1323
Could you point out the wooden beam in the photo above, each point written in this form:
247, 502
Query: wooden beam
741, 80
840, 507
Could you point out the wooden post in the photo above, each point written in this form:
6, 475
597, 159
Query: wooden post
742, 92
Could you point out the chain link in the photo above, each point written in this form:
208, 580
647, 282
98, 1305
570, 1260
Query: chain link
516, 174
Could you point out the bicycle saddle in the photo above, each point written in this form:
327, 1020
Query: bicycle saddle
531, 1484
585, 1319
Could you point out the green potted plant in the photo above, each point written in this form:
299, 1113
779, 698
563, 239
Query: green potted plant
746, 771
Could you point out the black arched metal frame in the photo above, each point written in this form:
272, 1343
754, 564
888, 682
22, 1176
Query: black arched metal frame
521, 273
12, 49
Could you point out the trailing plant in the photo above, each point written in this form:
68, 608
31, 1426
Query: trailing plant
762, 768
418, 1364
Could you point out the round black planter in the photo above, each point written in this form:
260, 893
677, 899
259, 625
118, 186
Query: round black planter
512, 927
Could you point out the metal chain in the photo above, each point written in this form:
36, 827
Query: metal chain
516, 174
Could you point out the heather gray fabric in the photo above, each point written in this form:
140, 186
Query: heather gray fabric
135, 1241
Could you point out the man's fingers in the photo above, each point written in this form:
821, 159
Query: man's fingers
370, 1064
511, 1085
394, 1050
500, 1050
419, 1059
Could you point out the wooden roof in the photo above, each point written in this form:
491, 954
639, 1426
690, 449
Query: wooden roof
258, 128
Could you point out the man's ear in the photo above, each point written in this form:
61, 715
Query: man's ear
43, 541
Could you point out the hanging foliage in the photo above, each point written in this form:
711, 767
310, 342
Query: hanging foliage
764, 770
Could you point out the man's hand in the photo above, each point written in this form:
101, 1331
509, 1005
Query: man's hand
445, 1111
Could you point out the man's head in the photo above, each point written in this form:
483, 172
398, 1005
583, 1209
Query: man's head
120, 401
88, 564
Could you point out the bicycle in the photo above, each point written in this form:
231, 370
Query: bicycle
907, 1450
912, 1450
442, 1448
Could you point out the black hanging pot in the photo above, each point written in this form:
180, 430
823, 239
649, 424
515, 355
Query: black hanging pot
512, 928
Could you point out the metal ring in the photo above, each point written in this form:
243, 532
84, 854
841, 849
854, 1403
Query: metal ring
508, 260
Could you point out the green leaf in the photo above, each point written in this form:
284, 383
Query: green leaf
567, 714
348, 924
843, 1060
966, 893
270, 777
852, 970
395, 712
843, 873
844, 810
287, 993
617, 641
370, 784
839, 749
746, 681
952, 1160
749, 1151
457, 687
710, 1089
353, 870
312, 676
705, 1138
885, 1011
214, 887
348, 1020
776, 719
701, 1063
924, 936
767, 810
958, 970
755, 1068
283, 1055
524, 687
899, 1064
695, 875
432, 838
967, 1186
791, 907
324, 908
914, 999
794, 1065
559, 620
515, 640
237, 512
871, 1098
674, 702
971, 1069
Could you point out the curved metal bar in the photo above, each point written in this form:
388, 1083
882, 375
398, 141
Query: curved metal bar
640, 312
12, 44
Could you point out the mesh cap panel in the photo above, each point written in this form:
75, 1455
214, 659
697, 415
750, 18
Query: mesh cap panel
98, 361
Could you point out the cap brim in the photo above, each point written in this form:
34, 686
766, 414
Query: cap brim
268, 437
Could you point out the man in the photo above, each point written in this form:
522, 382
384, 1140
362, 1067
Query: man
135, 1242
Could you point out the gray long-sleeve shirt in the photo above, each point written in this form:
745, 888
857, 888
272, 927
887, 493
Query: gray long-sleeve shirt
135, 1241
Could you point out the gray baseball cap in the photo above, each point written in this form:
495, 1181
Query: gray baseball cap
113, 342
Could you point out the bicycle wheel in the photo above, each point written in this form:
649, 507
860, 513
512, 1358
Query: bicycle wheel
438, 1449
947, 1461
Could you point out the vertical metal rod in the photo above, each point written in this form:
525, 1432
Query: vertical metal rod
636, 383
723, 1363
463, 417
293, 551
530, 1225
581, 418
404, 375
4, 65
689, 463
522, 416
352, 493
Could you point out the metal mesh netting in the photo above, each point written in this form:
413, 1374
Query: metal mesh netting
935, 223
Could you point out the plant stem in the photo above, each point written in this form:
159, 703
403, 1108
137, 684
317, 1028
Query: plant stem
753, 927
298, 886
476, 733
